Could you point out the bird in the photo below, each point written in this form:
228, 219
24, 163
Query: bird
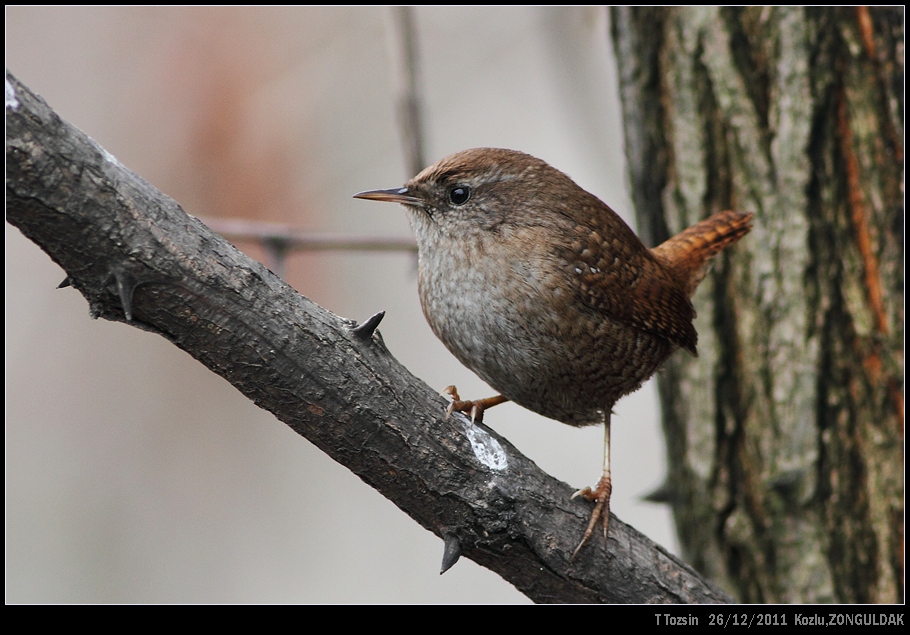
544, 292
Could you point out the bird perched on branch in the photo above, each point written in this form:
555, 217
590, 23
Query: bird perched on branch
544, 292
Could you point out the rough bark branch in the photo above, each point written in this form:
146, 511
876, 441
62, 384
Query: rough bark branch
138, 257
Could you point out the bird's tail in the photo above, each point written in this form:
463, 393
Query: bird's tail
689, 252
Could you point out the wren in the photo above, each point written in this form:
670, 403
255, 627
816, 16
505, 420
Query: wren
544, 292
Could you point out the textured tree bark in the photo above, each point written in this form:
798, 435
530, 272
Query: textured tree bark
138, 257
785, 435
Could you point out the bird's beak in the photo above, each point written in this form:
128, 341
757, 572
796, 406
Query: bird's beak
397, 195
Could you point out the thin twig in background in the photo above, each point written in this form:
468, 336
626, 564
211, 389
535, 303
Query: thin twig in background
407, 77
278, 240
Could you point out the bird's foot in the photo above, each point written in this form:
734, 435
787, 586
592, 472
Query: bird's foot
600, 495
475, 407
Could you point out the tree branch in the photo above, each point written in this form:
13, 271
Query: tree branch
138, 257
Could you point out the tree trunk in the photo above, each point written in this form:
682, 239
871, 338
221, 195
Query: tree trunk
785, 435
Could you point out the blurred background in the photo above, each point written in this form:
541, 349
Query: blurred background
133, 474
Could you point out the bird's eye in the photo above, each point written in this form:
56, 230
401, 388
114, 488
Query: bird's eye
459, 194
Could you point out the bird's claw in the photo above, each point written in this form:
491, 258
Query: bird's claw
474, 407
601, 497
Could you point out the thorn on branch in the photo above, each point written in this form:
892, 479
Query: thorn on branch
67, 282
276, 250
451, 553
126, 284
663, 493
365, 331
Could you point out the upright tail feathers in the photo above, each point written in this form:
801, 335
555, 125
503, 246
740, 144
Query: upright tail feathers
688, 253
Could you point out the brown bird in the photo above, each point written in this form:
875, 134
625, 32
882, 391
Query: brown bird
544, 292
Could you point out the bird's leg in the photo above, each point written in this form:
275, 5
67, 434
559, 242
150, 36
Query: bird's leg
600, 494
475, 407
